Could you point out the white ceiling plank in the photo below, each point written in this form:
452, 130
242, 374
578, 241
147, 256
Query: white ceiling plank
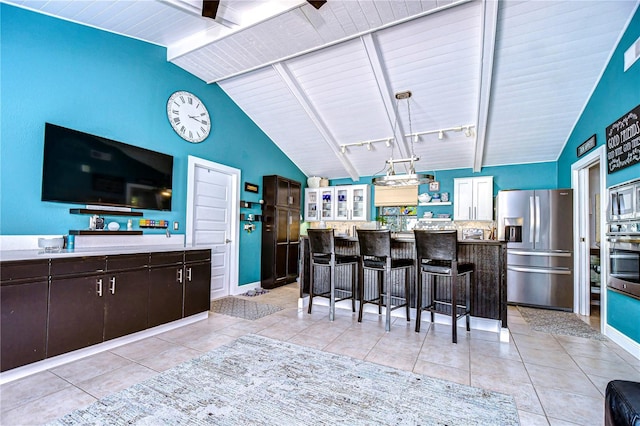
293, 86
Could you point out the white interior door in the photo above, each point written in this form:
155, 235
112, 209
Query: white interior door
211, 220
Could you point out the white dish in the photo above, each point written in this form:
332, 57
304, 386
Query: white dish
113, 226
51, 243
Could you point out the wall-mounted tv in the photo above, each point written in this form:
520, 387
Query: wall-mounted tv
87, 169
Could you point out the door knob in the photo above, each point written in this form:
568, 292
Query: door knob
227, 241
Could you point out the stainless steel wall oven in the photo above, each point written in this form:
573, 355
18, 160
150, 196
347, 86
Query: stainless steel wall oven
624, 238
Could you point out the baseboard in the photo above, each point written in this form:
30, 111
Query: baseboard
623, 341
46, 364
476, 323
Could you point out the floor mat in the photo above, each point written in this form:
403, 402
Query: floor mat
559, 322
241, 308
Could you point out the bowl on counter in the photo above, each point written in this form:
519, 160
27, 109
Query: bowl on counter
444, 215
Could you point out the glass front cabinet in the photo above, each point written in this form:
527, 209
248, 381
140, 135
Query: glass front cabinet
337, 203
352, 202
319, 204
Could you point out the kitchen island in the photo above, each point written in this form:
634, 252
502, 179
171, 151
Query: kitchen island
488, 286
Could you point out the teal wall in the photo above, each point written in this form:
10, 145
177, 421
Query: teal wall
521, 176
617, 93
116, 87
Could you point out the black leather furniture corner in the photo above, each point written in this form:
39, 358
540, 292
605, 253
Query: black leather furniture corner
622, 403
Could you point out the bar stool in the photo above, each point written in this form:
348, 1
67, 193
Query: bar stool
375, 255
322, 248
437, 253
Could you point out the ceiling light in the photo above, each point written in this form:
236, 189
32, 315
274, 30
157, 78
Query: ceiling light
388, 143
467, 131
343, 149
410, 178
440, 134
368, 146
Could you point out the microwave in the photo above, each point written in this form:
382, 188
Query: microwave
623, 200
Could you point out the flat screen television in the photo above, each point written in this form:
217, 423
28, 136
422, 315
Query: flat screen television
87, 169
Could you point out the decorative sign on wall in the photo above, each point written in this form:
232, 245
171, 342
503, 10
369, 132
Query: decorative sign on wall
251, 187
623, 141
587, 146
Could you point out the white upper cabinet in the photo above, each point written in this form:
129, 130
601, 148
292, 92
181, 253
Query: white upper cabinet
343, 203
352, 202
319, 204
473, 198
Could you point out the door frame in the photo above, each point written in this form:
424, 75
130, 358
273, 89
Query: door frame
579, 174
233, 206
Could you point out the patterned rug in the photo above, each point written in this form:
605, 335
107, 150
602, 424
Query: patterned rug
242, 308
260, 381
559, 322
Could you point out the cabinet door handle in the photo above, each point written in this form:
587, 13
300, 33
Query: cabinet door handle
112, 285
180, 275
470, 213
189, 274
99, 287
475, 213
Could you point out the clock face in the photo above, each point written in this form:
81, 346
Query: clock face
188, 116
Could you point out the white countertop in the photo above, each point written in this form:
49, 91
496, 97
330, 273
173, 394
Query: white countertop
7, 255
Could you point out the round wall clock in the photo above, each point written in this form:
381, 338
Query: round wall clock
188, 116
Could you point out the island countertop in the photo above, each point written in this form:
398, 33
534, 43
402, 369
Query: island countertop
489, 283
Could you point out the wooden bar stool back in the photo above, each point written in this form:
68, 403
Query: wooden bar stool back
323, 254
437, 256
375, 255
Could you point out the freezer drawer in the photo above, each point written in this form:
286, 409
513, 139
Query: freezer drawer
551, 288
540, 259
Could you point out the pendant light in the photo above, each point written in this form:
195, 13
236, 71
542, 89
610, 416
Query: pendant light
410, 178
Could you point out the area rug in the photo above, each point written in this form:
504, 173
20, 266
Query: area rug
256, 380
559, 322
242, 308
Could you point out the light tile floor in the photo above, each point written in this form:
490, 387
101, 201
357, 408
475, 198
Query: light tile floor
555, 380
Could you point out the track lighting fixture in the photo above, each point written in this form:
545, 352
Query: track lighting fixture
441, 134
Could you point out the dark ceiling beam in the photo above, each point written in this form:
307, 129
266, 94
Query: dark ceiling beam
316, 4
210, 8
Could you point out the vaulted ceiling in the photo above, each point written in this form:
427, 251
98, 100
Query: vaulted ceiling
491, 82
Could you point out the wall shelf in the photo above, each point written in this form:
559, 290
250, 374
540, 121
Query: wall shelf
102, 232
256, 217
104, 212
250, 204
440, 203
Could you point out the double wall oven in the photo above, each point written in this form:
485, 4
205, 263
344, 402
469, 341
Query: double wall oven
624, 238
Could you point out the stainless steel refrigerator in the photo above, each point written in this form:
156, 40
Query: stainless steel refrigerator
538, 228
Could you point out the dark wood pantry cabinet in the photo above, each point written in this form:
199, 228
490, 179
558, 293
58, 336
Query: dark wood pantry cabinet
280, 231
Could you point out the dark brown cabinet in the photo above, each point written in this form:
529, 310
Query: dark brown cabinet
166, 276
24, 288
197, 282
126, 298
280, 231
76, 306
54, 306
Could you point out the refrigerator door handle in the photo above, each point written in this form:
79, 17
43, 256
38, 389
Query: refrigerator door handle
540, 271
531, 219
540, 253
537, 219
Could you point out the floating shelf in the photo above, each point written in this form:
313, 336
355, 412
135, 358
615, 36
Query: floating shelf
250, 204
104, 212
441, 203
102, 232
256, 217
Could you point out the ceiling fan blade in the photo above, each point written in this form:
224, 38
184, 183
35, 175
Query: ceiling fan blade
210, 8
317, 4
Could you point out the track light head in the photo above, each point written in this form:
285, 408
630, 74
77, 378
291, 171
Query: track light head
467, 131
440, 134
343, 149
